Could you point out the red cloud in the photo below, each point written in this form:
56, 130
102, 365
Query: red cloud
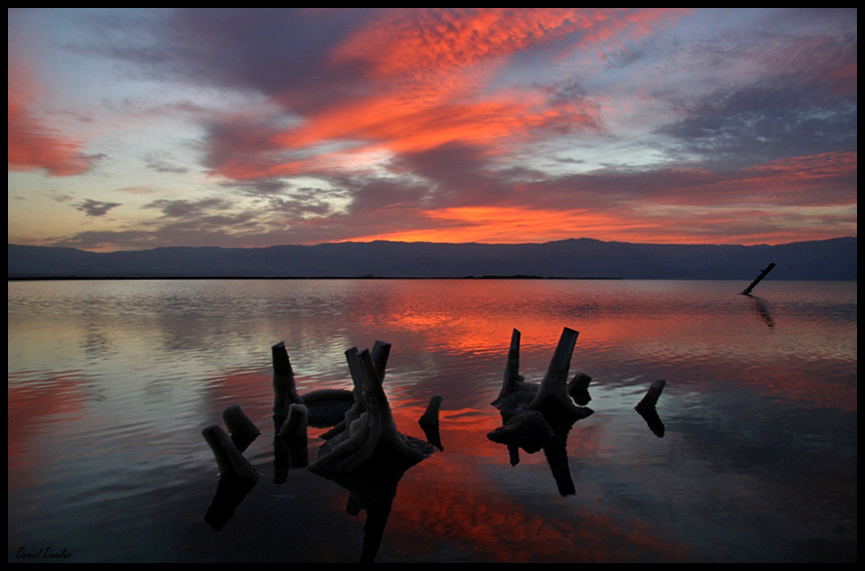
33, 145
428, 83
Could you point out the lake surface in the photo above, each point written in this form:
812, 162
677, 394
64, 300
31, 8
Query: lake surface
111, 382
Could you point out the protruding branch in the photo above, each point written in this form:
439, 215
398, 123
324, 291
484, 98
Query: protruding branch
554, 387
512, 369
429, 422
430, 416
763, 274
651, 398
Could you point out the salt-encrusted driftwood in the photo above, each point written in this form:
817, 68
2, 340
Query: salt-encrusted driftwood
536, 417
551, 395
236, 475
326, 407
368, 433
380, 353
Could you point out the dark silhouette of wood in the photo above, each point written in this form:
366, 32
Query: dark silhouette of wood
646, 407
229, 459
242, 430
763, 274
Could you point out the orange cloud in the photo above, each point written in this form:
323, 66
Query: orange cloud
507, 224
428, 72
393, 123
417, 41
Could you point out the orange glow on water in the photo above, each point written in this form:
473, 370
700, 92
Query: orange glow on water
55, 401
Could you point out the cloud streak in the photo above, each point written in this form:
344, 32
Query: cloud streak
491, 125
32, 143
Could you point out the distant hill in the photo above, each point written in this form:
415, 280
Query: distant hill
581, 258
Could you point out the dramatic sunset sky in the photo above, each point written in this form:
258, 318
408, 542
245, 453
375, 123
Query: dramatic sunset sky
133, 129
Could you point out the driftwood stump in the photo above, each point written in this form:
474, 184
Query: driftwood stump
369, 427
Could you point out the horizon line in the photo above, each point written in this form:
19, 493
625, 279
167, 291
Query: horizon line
426, 242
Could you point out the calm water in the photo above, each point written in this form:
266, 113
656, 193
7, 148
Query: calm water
111, 382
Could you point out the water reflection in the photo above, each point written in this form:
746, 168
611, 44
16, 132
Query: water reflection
109, 383
363, 452
230, 493
762, 308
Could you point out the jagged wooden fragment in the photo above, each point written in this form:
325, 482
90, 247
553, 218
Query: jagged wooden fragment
242, 430
429, 422
430, 416
527, 430
578, 388
651, 397
512, 368
230, 461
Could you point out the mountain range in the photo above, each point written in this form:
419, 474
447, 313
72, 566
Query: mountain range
833, 259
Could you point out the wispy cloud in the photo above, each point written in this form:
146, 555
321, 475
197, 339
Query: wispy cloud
32, 143
303, 126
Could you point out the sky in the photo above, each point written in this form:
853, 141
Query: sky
136, 129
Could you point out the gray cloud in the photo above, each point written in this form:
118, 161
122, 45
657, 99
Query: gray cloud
188, 208
164, 162
96, 208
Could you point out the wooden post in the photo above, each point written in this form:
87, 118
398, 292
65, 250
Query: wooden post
231, 462
380, 354
242, 430
294, 434
430, 417
284, 389
763, 274
651, 399
512, 369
